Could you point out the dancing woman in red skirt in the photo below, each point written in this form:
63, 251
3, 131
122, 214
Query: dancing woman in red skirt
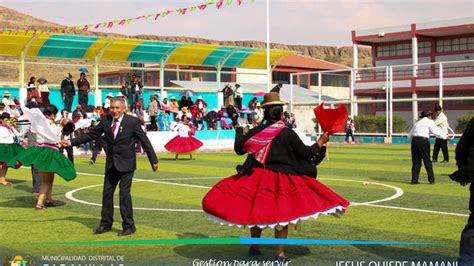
184, 143
277, 185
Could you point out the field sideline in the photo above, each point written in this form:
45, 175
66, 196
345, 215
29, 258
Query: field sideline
373, 177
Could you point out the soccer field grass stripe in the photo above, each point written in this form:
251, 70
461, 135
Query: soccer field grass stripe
236, 241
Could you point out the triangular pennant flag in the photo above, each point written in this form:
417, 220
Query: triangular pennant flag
239, 2
86, 28
129, 21
331, 120
202, 7
122, 22
229, 2
110, 25
97, 26
157, 15
219, 4
183, 11
147, 16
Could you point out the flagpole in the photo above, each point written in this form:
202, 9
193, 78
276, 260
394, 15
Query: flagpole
269, 78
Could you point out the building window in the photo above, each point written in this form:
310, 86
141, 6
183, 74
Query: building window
401, 49
455, 45
424, 47
282, 77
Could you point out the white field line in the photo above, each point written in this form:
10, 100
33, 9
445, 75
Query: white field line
398, 193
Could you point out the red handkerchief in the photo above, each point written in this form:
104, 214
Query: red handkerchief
331, 120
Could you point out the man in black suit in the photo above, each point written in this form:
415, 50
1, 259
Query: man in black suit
121, 132
465, 175
68, 91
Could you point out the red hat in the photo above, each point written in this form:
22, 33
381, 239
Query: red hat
331, 120
79, 107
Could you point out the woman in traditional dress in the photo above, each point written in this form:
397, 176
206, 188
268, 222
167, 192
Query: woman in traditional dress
9, 145
277, 184
184, 143
45, 156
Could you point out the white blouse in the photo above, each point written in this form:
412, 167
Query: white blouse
45, 130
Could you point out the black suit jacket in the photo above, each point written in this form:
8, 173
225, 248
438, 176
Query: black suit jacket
121, 150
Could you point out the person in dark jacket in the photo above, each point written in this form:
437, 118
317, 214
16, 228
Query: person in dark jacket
277, 186
84, 87
465, 175
68, 91
136, 88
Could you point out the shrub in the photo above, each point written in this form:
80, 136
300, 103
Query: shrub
377, 124
463, 120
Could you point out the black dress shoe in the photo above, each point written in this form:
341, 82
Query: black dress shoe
127, 232
415, 182
434, 161
432, 182
254, 252
101, 229
445, 161
283, 260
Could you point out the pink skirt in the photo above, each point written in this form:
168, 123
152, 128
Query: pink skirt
182, 145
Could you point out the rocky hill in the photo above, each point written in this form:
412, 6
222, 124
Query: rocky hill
10, 18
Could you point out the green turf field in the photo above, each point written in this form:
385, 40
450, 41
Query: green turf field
424, 213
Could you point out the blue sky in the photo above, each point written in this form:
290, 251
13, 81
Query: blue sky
312, 22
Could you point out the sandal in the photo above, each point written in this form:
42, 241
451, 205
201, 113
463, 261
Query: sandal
6, 183
40, 207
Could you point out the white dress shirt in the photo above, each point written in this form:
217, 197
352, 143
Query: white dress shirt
238, 92
118, 125
442, 122
426, 127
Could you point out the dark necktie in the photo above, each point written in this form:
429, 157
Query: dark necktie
114, 127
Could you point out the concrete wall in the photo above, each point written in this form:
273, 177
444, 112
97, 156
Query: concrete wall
456, 57
341, 93
304, 118
251, 78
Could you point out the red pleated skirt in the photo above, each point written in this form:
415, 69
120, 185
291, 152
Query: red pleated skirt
268, 198
182, 145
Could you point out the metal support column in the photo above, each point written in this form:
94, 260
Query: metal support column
441, 84
220, 95
162, 79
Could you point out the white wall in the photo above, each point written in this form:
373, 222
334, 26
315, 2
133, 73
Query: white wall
456, 57
341, 93
249, 78
304, 118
